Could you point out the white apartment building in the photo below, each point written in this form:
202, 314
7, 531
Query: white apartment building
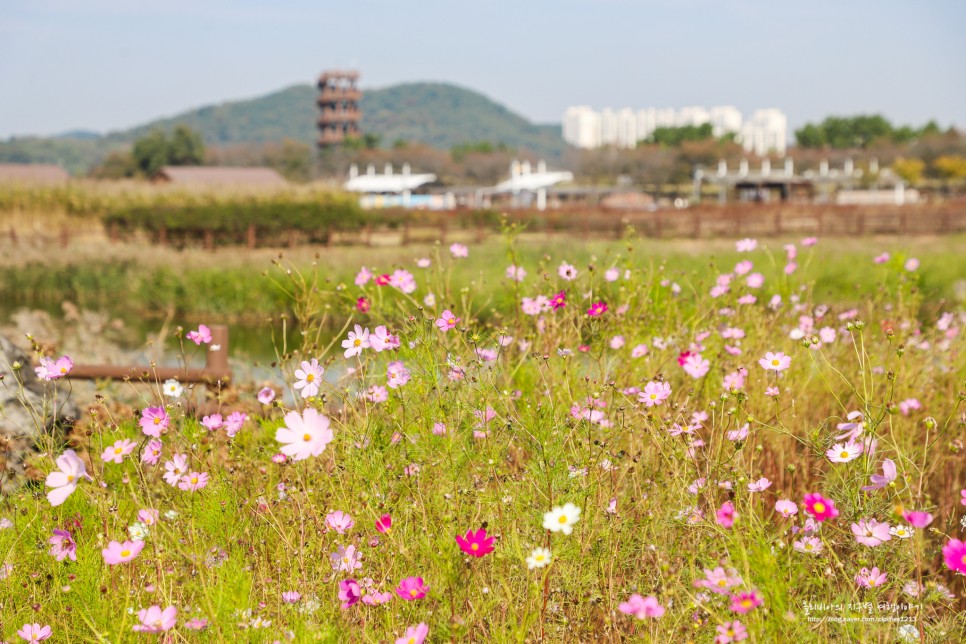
583, 127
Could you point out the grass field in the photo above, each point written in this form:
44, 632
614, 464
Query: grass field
644, 391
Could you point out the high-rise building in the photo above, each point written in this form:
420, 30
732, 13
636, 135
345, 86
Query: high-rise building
583, 127
339, 104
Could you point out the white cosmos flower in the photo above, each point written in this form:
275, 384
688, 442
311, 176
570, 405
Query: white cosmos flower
539, 558
562, 519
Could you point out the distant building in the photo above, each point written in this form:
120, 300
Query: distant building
583, 127
201, 176
339, 104
33, 173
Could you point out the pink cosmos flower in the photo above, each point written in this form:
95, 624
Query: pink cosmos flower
458, 251
363, 305
696, 366
743, 267
731, 632
476, 544
515, 273
809, 545
870, 578
718, 581
755, 280
377, 394
118, 553
346, 559
384, 523
911, 264
597, 309
197, 623
381, 340
760, 485
786, 508
339, 521
639, 351
642, 607
744, 602
363, 276
148, 516
880, 481
383, 280
291, 596
654, 393
790, 268
266, 395
356, 341
809, 241
726, 515
881, 259
201, 336
908, 405
213, 422
414, 634
304, 435
412, 588
746, 245
447, 320
152, 452
51, 369
917, 519
349, 592
775, 361
62, 545
567, 272
234, 422
309, 377
397, 374
439, 429
403, 280
844, 452
376, 598
819, 507
175, 469
64, 480
954, 555
154, 421
35, 632
772, 392
193, 482
870, 532
739, 434
116, 452
155, 620
962, 494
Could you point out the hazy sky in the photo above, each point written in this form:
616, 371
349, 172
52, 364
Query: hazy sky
111, 64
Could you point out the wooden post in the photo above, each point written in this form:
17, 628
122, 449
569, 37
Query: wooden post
216, 359
442, 230
209, 240
163, 235
13, 236
64, 237
405, 236
113, 234
251, 239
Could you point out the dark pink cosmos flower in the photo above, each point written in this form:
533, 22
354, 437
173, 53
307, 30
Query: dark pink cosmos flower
412, 588
476, 543
597, 309
558, 301
362, 305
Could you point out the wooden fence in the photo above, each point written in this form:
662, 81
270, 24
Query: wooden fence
736, 220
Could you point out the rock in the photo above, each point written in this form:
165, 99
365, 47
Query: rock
34, 414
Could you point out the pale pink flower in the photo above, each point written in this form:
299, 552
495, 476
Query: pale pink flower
870, 532
234, 422
414, 634
193, 481
719, 581
397, 374
51, 369
118, 553
62, 545
345, 559
755, 280
730, 632
655, 393
746, 245
155, 620
175, 469
917, 518
309, 377
639, 351
201, 336
760, 485
870, 578
357, 340
567, 271
786, 508
339, 521
304, 435
213, 422
696, 366
516, 273
154, 421
116, 452
363, 276
775, 361
64, 480
880, 481
35, 632
381, 339
809, 545
458, 251
642, 607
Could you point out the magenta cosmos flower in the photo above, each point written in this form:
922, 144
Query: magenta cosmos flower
954, 554
745, 602
62, 545
775, 361
414, 634
35, 632
476, 543
447, 320
597, 309
726, 515
641, 607
118, 553
64, 480
304, 435
820, 507
154, 421
155, 620
384, 523
349, 592
917, 519
412, 588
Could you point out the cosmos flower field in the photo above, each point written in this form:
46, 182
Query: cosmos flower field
601, 450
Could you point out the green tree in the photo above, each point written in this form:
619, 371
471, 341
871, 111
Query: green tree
117, 165
673, 137
150, 152
185, 147
810, 136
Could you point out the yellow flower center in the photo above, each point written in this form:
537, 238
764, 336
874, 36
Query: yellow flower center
70, 478
413, 592
722, 583
118, 450
157, 421
819, 508
310, 377
125, 553
306, 437
775, 362
844, 453
562, 519
357, 342
194, 480
746, 603
475, 547
653, 396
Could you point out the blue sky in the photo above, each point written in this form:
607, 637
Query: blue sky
111, 64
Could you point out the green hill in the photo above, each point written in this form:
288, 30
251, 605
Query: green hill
437, 114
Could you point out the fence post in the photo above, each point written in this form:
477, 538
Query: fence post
13, 236
163, 235
209, 240
251, 238
113, 234
217, 361
64, 237
405, 237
